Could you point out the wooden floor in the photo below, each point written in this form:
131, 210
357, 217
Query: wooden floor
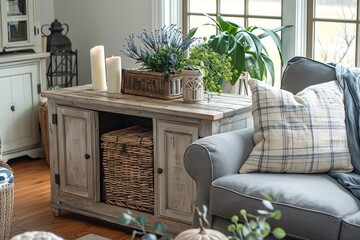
32, 211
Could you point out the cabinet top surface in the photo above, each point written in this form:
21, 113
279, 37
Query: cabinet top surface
14, 57
220, 106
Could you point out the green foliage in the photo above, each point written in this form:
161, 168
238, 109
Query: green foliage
244, 46
256, 227
216, 67
140, 222
162, 51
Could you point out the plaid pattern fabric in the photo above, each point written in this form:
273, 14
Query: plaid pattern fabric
303, 133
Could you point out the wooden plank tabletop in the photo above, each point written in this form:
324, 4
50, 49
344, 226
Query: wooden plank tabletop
220, 106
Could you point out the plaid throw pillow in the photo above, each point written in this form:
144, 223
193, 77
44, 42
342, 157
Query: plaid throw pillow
304, 133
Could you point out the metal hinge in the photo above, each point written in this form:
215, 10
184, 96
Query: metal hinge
39, 88
54, 119
57, 179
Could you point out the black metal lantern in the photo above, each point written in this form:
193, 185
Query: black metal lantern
62, 70
56, 41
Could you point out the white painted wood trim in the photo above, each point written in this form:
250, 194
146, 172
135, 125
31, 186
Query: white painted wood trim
166, 12
294, 39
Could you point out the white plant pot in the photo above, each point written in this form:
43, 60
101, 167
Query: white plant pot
193, 85
241, 86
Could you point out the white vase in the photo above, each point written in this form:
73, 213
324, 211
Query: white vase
241, 86
193, 85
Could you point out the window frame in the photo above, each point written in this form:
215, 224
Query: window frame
310, 42
294, 12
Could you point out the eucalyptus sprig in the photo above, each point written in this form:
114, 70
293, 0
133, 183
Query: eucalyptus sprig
159, 228
256, 227
162, 50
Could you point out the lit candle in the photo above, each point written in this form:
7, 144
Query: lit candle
113, 74
98, 74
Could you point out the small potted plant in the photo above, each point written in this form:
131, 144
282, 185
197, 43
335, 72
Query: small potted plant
216, 68
160, 57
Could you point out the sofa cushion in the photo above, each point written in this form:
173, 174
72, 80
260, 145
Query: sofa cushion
309, 208
302, 72
6, 176
350, 228
303, 133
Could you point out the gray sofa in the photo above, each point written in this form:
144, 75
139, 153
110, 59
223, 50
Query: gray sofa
314, 206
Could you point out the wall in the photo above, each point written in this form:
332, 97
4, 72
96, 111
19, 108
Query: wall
46, 12
94, 22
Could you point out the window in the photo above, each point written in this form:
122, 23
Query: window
332, 31
264, 13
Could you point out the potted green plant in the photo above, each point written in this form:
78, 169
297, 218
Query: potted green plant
160, 57
245, 47
216, 68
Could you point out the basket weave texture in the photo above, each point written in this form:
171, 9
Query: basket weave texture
128, 165
6, 206
147, 83
44, 126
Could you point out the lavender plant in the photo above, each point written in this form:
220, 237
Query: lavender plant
162, 50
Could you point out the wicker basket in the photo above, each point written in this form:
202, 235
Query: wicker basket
44, 126
147, 83
128, 165
6, 206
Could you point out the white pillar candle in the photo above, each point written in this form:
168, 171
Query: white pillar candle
98, 74
113, 74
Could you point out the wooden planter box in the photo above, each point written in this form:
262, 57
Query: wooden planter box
147, 83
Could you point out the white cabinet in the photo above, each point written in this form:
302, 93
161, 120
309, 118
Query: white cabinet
20, 25
19, 101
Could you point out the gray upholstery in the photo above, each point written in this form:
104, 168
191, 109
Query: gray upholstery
312, 199
302, 72
314, 206
350, 228
1, 147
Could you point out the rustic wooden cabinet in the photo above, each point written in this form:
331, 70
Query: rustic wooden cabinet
78, 116
21, 76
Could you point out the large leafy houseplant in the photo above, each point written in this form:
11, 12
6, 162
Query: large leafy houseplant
245, 47
162, 50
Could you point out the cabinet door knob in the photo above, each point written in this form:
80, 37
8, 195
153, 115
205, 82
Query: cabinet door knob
87, 156
160, 170
12, 108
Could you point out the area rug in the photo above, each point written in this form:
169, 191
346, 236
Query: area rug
93, 237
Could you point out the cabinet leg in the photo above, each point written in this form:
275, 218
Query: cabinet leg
56, 212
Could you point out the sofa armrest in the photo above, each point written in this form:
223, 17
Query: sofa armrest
215, 156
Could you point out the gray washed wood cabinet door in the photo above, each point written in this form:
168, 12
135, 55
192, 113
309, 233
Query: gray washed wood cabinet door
176, 189
77, 160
